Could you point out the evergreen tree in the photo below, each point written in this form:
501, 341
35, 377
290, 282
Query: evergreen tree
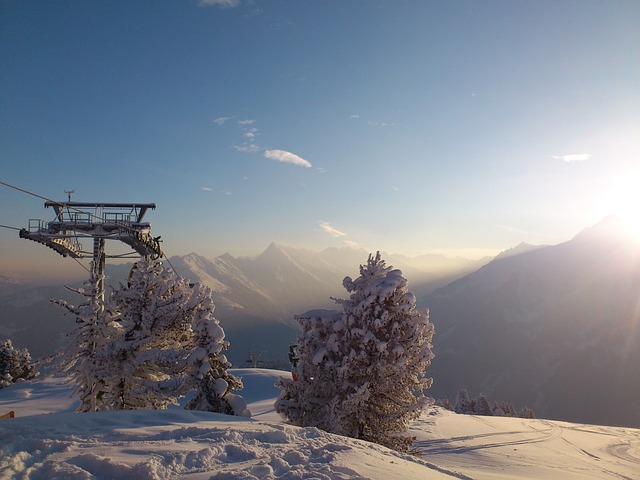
527, 413
150, 356
15, 364
154, 341
444, 403
362, 370
209, 374
462, 403
497, 411
87, 357
482, 406
171, 344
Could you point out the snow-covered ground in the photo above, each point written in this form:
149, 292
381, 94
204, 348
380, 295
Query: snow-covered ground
47, 440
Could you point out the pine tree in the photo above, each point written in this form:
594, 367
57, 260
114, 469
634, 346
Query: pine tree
150, 357
362, 370
508, 409
153, 341
527, 413
15, 364
171, 345
462, 403
213, 384
86, 355
482, 406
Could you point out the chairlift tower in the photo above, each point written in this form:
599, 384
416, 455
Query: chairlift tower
99, 221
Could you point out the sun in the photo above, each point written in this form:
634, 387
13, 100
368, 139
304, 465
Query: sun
623, 201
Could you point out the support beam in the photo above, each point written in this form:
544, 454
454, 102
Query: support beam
99, 263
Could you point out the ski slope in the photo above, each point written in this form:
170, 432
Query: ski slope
47, 440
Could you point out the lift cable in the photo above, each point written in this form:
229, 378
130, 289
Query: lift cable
62, 204
12, 228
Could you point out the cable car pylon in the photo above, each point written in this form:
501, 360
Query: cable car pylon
100, 222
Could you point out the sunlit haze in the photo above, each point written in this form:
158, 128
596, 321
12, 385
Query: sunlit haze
410, 127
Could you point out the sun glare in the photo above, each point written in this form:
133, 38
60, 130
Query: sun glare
623, 201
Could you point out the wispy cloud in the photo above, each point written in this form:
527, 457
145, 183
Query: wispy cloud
219, 3
247, 148
379, 124
221, 120
352, 244
328, 228
286, 157
251, 133
246, 122
575, 157
209, 189
355, 116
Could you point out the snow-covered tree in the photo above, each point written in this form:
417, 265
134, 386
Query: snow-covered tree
482, 406
508, 409
149, 357
153, 341
527, 413
362, 369
462, 403
15, 364
171, 344
444, 403
209, 374
86, 356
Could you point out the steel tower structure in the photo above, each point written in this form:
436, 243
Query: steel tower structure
99, 221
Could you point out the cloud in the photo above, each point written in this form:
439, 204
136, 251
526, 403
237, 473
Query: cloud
287, 157
246, 122
355, 116
251, 133
247, 148
219, 3
221, 120
576, 157
353, 245
328, 228
206, 189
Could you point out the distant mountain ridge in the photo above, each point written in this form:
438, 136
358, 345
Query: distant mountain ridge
556, 328
256, 298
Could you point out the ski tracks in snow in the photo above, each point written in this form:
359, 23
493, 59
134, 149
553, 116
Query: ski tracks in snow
492, 443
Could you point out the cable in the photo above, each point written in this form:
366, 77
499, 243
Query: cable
124, 226
12, 228
83, 266
28, 192
62, 204
172, 267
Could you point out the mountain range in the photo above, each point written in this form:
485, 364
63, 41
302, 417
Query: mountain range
256, 298
555, 328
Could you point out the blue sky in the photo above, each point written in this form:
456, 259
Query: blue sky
461, 127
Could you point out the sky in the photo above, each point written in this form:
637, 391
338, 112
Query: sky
458, 127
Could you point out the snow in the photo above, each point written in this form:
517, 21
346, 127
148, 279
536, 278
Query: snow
47, 440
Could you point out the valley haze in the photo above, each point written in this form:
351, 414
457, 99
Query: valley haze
555, 328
